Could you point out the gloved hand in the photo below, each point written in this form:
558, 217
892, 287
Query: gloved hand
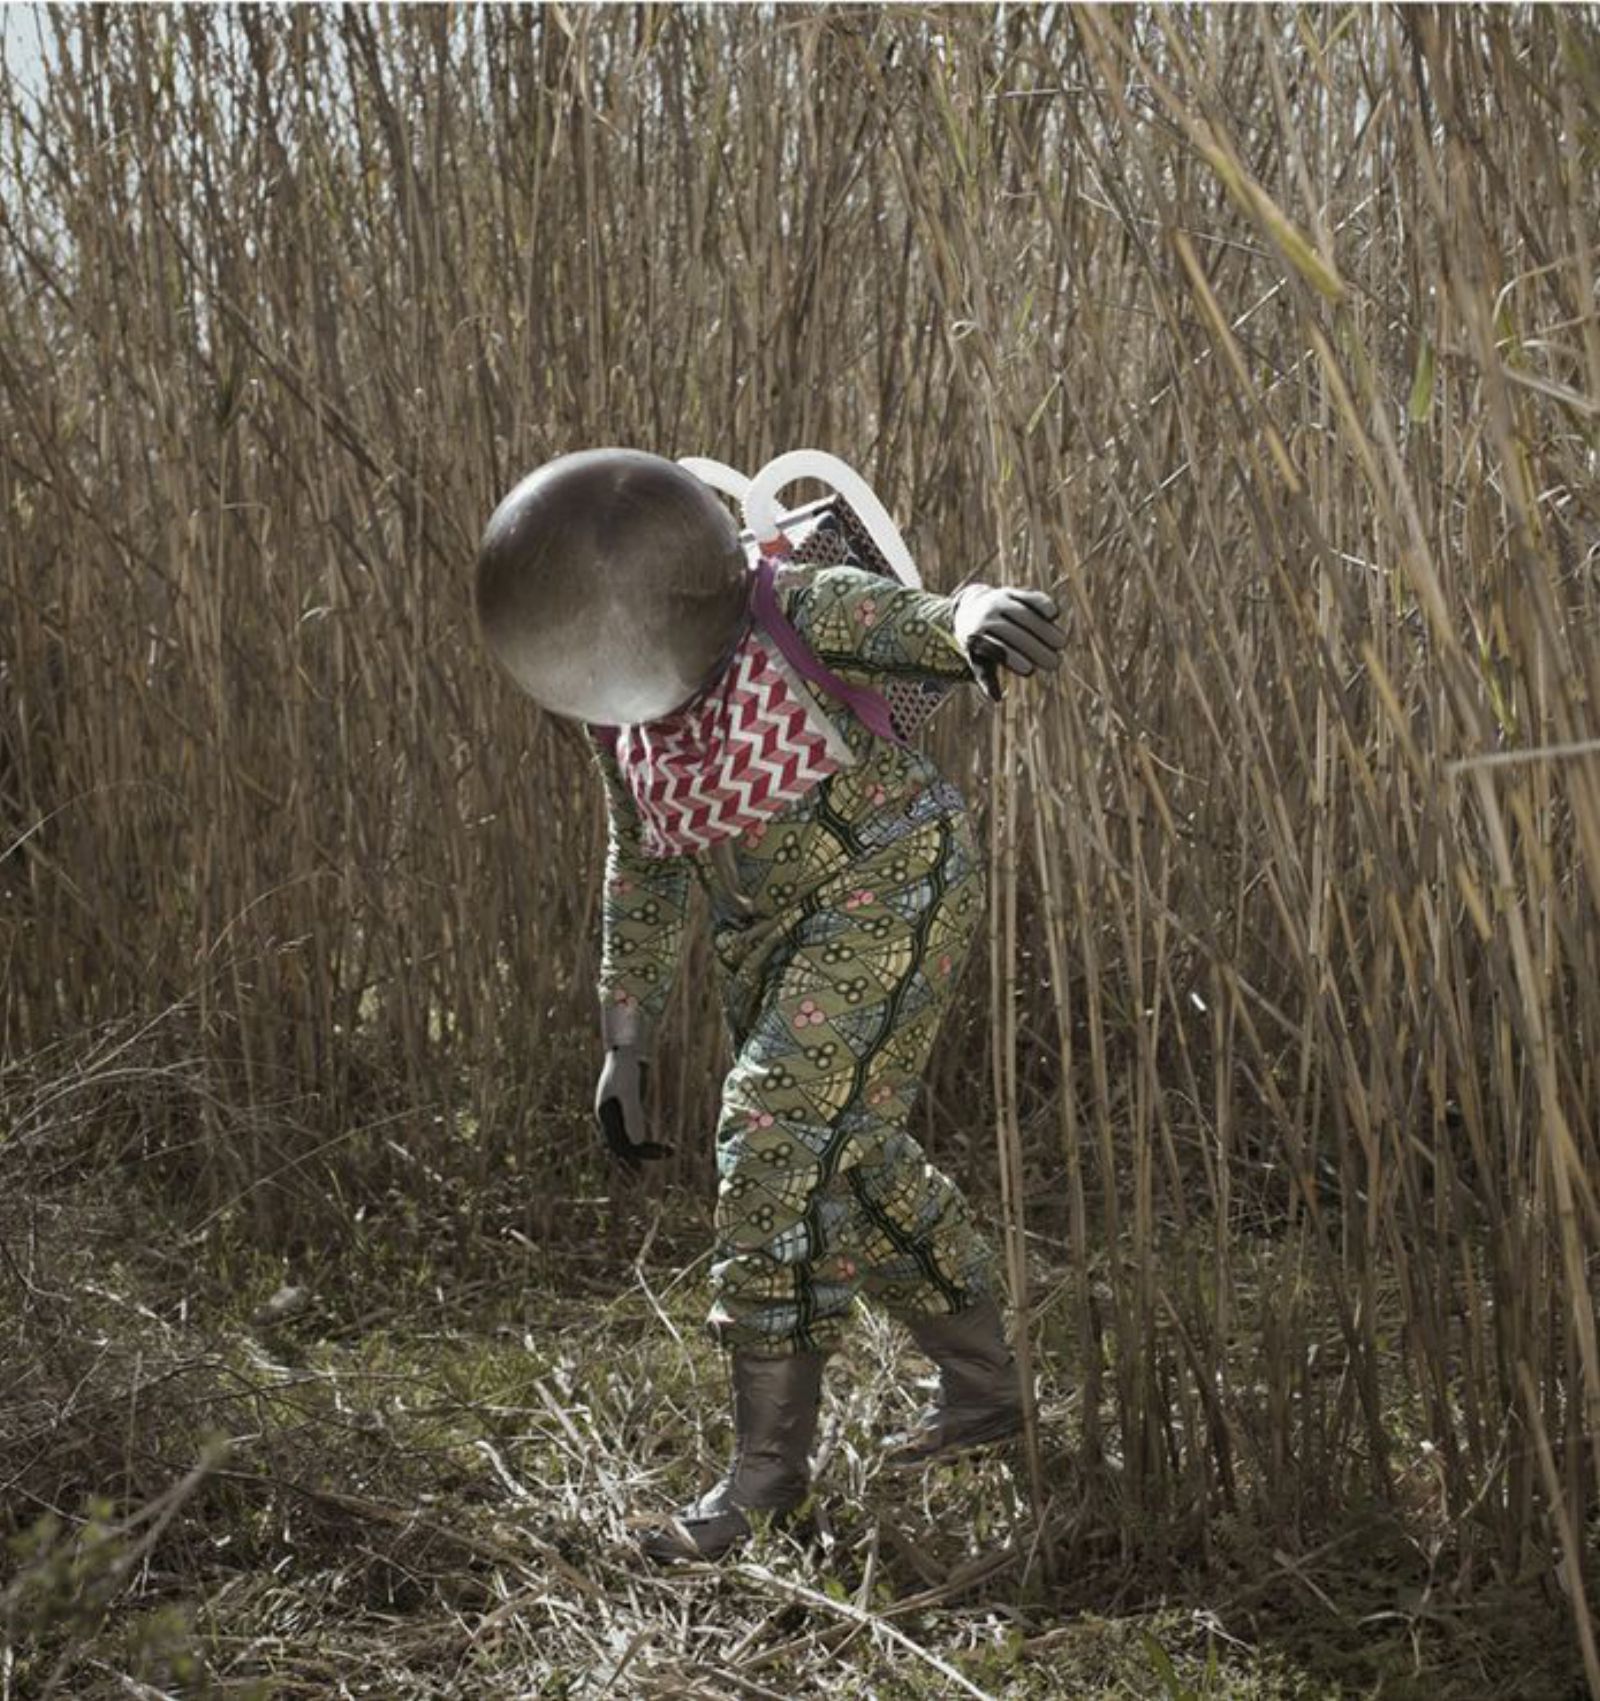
619, 1109
1000, 627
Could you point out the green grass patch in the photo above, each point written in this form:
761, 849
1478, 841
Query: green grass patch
226, 1484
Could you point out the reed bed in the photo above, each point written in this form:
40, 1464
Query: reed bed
1269, 338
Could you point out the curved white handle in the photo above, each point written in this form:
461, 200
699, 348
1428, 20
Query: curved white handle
761, 504
717, 474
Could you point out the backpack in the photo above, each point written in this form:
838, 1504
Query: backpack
850, 528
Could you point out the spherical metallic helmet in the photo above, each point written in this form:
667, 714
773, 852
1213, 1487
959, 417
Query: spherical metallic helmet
611, 585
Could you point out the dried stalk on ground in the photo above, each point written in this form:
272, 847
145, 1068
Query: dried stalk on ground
1271, 339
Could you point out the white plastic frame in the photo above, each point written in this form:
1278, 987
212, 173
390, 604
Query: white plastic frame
758, 498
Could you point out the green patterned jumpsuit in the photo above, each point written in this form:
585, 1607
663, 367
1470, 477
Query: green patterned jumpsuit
840, 926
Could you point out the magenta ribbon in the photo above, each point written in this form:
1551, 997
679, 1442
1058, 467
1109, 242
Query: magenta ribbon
868, 706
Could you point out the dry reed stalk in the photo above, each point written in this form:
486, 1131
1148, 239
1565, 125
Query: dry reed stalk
1270, 340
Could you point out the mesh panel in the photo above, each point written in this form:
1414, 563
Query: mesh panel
837, 538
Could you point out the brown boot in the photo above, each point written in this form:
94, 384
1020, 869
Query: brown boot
775, 1405
980, 1393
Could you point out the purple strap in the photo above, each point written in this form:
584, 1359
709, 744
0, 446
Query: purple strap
869, 707
867, 704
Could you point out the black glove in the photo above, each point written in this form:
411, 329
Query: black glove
619, 1109
999, 627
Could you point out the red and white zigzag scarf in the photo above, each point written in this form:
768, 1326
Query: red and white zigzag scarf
735, 757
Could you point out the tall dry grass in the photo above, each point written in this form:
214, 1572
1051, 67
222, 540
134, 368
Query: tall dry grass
1269, 336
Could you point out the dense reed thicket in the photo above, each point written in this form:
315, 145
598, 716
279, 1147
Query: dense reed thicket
1269, 337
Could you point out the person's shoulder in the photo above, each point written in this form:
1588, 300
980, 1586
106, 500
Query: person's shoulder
824, 585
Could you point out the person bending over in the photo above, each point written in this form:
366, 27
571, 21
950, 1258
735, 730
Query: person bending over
747, 721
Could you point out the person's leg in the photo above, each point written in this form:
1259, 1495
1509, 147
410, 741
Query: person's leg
775, 1405
824, 1191
925, 1261
781, 1298
821, 1189
783, 1286
910, 1233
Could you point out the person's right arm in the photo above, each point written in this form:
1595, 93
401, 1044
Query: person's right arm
643, 911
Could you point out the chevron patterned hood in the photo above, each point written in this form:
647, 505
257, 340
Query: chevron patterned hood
740, 754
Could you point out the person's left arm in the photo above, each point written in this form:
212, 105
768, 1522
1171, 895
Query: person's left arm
859, 620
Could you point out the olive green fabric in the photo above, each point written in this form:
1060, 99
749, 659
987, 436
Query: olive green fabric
840, 927
823, 1192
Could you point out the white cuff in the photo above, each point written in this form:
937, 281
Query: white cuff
623, 1025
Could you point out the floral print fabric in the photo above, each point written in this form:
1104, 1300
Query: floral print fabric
839, 926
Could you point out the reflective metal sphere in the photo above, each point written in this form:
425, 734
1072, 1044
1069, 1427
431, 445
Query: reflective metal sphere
611, 584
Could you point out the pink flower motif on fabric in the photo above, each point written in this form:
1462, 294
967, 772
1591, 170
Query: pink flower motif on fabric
867, 612
755, 832
881, 1094
880, 796
809, 1016
761, 1119
860, 898
946, 963
623, 999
